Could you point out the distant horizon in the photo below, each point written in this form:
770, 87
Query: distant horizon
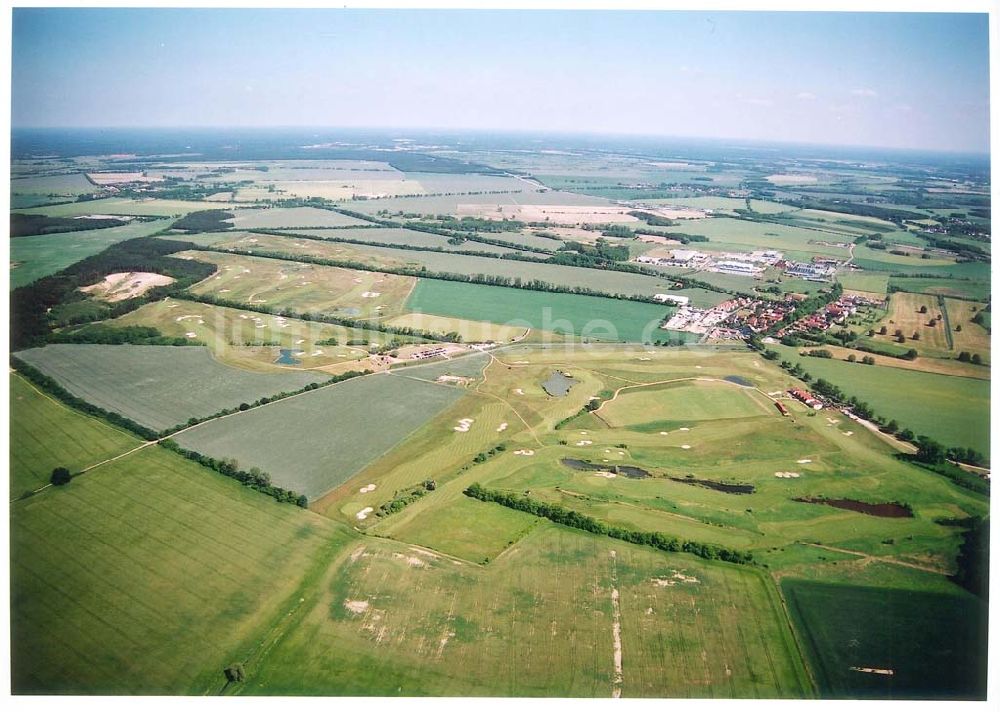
385, 131
888, 81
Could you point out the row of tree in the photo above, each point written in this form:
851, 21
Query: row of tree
567, 517
254, 478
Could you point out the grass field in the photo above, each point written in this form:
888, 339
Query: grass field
732, 234
66, 185
947, 287
37, 256
973, 337
945, 366
303, 287
538, 621
603, 280
904, 313
274, 218
127, 206
684, 401
927, 639
45, 434
236, 337
954, 411
149, 575
347, 426
581, 316
470, 331
402, 236
157, 386
874, 282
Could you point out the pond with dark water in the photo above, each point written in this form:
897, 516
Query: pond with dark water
558, 384
739, 381
729, 488
892, 510
630, 471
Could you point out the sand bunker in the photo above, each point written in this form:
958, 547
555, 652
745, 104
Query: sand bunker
501, 427
585, 442
119, 286
363, 514
684, 430
190, 334
685, 447
463, 425
366, 489
803, 462
524, 452
848, 433
664, 432
519, 391
606, 475
371, 295
787, 475
356, 606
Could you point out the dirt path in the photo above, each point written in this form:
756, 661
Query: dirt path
883, 559
616, 628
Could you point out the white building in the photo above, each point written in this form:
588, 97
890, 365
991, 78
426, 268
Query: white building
675, 298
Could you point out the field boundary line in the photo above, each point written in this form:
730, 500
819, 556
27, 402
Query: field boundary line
875, 557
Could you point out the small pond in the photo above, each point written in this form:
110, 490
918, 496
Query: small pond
630, 471
287, 357
739, 381
558, 384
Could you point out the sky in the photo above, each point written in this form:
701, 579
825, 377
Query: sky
917, 81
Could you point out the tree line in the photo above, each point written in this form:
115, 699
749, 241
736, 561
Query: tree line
567, 517
254, 478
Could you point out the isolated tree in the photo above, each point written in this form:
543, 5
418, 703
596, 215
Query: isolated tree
891, 427
235, 673
898, 333
883, 331
965, 357
958, 328
977, 359
916, 336
60, 476
852, 358
923, 309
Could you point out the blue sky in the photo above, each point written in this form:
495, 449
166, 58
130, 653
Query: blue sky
908, 81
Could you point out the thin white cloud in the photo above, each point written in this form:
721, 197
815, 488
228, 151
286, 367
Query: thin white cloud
864, 92
805, 95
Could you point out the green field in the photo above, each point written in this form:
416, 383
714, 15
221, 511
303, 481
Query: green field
157, 386
602, 280
45, 434
274, 218
537, 621
875, 282
37, 256
586, 317
927, 639
151, 574
962, 289
684, 401
127, 206
733, 234
953, 410
347, 426
402, 236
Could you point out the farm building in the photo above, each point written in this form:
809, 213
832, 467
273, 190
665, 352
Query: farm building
781, 408
806, 398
